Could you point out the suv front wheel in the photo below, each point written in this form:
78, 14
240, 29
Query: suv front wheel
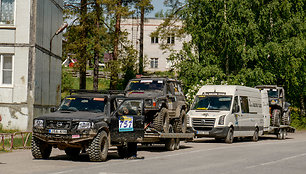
161, 121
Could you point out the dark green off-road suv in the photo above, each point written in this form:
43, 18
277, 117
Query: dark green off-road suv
164, 103
90, 122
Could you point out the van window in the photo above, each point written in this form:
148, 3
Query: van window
244, 104
236, 105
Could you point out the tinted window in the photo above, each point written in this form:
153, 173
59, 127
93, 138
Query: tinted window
212, 103
83, 104
141, 85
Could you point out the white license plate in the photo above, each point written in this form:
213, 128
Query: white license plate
202, 132
57, 131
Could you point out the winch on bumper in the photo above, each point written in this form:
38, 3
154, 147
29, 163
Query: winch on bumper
68, 137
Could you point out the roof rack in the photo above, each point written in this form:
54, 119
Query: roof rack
80, 91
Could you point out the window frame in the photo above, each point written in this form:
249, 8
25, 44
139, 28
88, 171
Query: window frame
154, 40
1, 70
171, 39
14, 16
155, 63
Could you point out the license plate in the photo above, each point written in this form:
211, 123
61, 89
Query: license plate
57, 131
126, 124
202, 132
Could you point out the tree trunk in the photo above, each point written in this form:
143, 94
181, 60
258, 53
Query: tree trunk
302, 105
83, 57
141, 41
96, 51
114, 68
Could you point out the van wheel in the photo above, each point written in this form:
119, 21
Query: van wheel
276, 117
255, 136
98, 148
40, 149
230, 136
161, 121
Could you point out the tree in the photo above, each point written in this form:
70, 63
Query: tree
145, 6
242, 42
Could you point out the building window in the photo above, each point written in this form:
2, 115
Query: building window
171, 40
7, 10
154, 62
6, 69
154, 40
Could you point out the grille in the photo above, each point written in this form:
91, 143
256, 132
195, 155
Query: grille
58, 124
203, 123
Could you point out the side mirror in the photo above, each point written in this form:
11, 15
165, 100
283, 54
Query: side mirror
53, 109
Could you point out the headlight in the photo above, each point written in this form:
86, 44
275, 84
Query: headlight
39, 123
84, 125
221, 120
274, 102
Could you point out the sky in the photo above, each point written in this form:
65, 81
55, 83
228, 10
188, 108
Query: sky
158, 5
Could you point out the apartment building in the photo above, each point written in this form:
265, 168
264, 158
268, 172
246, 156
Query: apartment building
30, 66
155, 57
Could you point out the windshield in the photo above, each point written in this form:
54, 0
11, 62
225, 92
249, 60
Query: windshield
83, 104
212, 103
273, 93
143, 85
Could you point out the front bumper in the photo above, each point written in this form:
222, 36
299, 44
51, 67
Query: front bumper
69, 138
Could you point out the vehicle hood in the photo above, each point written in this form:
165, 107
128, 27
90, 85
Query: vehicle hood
144, 94
210, 114
70, 115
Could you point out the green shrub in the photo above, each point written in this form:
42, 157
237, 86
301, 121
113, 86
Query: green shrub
297, 120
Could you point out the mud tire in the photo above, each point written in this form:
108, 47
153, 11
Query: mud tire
40, 149
275, 117
182, 124
98, 148
161, 121
286, 119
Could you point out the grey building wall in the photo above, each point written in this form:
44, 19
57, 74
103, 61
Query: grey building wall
36, 75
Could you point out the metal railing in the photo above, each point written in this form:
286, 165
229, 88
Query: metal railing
11, 136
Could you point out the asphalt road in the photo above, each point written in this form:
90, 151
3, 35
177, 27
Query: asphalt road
268, 155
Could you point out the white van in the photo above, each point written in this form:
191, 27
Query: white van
225, 112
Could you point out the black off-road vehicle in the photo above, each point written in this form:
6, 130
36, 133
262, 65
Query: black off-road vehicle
164, 103
90, 122
279, 108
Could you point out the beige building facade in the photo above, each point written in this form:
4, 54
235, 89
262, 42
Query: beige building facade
155, 57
